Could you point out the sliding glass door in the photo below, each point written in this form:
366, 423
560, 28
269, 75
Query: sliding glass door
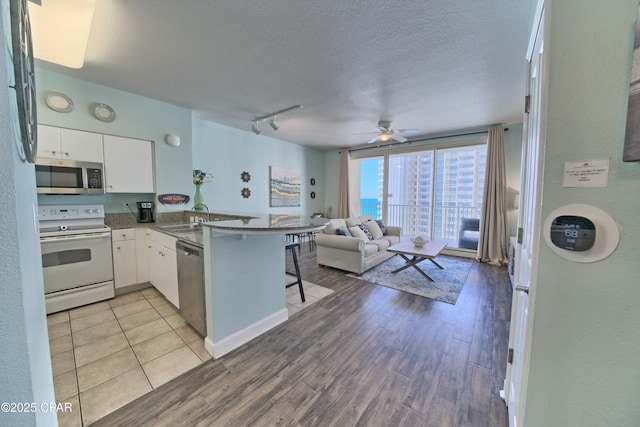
410, 192
458, 190
427, 192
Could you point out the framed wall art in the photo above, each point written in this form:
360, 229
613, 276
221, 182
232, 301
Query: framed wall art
284, 187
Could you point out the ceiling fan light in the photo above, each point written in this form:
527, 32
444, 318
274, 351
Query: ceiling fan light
384, 137
256, 129
274, 125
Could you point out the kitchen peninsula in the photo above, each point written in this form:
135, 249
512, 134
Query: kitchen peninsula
244, 276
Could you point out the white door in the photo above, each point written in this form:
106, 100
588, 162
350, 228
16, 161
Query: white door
528, 225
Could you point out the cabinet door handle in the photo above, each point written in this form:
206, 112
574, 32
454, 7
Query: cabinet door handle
118, 248
66, 153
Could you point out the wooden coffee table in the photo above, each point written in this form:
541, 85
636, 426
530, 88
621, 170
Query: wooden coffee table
429, 251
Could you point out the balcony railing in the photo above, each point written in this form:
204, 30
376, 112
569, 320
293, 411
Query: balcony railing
439, 223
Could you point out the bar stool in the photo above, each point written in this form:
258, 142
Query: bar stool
291, 247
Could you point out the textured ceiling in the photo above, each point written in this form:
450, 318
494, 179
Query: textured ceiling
432, 65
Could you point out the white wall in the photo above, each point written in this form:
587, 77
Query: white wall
584, 368
25, 365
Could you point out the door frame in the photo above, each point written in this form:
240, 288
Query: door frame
520, 295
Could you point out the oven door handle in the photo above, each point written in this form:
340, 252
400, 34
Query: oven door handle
75, 237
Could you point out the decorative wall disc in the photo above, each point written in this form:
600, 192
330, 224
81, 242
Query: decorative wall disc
59, 102
245, 177
313, 194
246, 193
312, 181
104, 113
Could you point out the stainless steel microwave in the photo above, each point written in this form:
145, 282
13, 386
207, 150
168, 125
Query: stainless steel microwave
54, 176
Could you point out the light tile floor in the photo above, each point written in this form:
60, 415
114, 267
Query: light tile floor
107, 354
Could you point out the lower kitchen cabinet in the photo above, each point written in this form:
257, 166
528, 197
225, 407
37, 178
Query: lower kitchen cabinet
163, 266
142, 254
124, 257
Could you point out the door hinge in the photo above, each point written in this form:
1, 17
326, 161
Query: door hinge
527, 104
510, 356
520, 233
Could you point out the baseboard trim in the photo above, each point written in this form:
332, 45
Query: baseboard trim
230, 343
133, 288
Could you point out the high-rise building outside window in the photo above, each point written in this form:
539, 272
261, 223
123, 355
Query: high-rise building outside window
427, 192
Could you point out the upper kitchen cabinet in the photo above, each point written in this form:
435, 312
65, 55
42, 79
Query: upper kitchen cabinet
128, 165
69, 144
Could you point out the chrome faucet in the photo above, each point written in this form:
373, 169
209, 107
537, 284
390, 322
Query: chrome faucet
206, 207
200, 204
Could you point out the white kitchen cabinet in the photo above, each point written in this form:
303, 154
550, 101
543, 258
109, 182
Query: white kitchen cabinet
142, 254
128, 165
69, 144
163, 265
124, 257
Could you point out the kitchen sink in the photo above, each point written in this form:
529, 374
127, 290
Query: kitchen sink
183, 228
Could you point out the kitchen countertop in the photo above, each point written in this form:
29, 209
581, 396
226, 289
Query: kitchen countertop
223, 222
269, 224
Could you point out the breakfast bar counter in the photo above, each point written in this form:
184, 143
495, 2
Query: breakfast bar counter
244, 263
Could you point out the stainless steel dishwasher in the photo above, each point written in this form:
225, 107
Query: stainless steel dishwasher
191, 285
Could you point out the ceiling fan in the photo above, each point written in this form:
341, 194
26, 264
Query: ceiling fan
386, 133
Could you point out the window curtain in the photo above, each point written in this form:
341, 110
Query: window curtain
343, 190
494, 224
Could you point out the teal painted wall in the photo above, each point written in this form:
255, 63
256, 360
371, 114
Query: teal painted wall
247, 274
25, 364
227, 152
136, 117
584, 368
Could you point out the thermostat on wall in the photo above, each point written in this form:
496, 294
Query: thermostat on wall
581, 233
572, 232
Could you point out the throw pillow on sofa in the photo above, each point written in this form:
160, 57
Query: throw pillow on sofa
357, 232
366, 231
342, 231
374, 229
383, 227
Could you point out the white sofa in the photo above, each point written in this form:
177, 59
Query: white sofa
356, 253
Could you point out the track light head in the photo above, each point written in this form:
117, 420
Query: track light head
272, 119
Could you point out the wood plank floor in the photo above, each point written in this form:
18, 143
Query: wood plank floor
365, 355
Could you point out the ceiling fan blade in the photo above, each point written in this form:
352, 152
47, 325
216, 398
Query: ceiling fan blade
364, 133
376, 139
399, 138
408, 131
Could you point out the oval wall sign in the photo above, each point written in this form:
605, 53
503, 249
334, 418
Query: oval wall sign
173, 199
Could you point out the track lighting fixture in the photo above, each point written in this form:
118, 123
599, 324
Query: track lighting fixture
256, 129
272, 119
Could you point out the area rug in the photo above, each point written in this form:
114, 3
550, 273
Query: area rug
446, 287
